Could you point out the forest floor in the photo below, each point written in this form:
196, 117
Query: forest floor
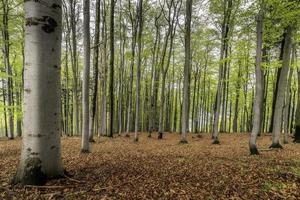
152, 169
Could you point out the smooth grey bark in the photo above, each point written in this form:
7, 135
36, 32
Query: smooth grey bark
138, 73
41, 149
277, 121
187, 69
259, 96
86, 77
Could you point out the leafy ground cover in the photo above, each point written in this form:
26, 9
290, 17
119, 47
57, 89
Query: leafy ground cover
163, 169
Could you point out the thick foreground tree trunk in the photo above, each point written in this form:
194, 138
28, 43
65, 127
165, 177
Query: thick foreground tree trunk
41, 150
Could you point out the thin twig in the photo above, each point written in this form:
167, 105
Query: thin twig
74, 180
118, 185
48, 186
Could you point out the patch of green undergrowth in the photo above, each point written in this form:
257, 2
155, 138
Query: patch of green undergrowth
295, 171
274, 186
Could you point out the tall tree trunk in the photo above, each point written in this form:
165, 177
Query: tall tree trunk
6, 49
121, 70
130, 96
236, 108
297, 115
103, 106
74, 60
138, 73
277, 121
187, 69
41, 155
111, 65
220, 87
86, 77
96, 71
287, 101
256, 129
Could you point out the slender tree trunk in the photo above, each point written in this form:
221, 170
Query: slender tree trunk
287, 102
187, 69
111, 65
297, 115
4, 108
86, 76
236, 109
256, 129
138, 73
121, 71
103, 106
96, 71
220, 87
6, 52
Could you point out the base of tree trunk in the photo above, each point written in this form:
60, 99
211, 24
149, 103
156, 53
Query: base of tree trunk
183, 141
136, 139
30, 174
285, 142
254, 151
127, 135
149, 135
84, 151
276, 146
216, 141
199, 136
160, 135
297, 135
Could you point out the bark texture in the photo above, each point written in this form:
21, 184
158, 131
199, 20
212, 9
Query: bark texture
41, 149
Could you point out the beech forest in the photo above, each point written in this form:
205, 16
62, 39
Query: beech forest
150, 99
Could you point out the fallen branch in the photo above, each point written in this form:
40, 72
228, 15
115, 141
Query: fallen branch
74, 180
48, 186
4, 188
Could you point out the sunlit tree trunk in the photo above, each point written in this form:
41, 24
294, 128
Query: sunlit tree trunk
41, 149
